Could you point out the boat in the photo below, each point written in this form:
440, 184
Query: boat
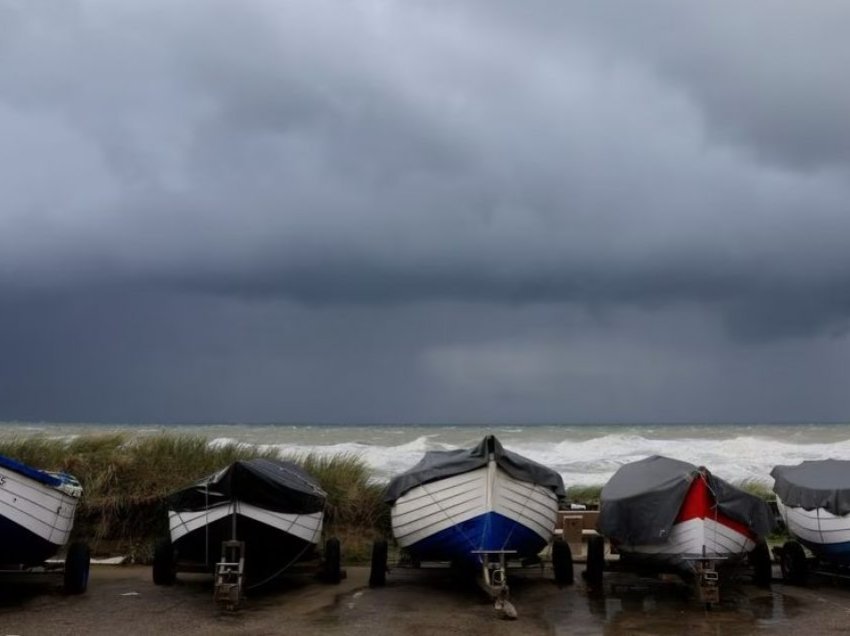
453, 505
260, 516
813, 499
37, 510
481, 509
673, 515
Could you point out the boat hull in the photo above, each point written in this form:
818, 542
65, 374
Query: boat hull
35, 519
273, 540
484, 509
825, 534
700, 532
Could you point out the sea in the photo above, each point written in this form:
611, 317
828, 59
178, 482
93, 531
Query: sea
585, 455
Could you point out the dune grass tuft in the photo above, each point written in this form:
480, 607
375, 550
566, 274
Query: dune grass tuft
356, 512
588, 495
126, 479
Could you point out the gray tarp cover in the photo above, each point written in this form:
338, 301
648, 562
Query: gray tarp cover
268, 483
439, 464
641, 501
815, 484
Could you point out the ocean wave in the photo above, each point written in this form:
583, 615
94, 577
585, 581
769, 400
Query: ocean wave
593, 461
582, 455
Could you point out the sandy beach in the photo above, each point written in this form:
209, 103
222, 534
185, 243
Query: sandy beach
123, 600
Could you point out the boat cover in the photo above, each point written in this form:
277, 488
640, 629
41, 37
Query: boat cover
61, 481
28, 471
815, 484
276, 485
440, 464
640, 503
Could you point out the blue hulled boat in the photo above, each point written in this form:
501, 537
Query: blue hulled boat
456, 505
36, 517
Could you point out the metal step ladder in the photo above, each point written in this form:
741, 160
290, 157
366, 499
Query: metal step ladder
229, 588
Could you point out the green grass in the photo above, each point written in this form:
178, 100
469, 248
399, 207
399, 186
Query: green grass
588, 495
757, 488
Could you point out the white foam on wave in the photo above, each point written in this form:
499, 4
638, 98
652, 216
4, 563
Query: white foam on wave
735, 459
222, 442
593, 461
384, 461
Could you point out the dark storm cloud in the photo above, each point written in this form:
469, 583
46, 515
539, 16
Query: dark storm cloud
158, 358
765, 77
376, 158
392, 153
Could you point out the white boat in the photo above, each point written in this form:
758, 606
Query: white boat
272, 508
813, 499
699, 530
456, 505
674, 514
36, 518
824, 533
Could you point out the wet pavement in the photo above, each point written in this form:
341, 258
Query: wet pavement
123, 600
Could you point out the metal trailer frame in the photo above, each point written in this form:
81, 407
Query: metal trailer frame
228, 573
74, 569
492, 573
579, 530
798, 564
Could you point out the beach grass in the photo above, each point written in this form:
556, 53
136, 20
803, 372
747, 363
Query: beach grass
757, 488
587, 495
126, 479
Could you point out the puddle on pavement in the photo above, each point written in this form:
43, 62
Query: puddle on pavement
656, 607
773, 609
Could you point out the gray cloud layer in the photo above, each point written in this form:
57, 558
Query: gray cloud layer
590, 159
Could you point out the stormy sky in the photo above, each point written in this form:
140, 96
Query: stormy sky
443, 211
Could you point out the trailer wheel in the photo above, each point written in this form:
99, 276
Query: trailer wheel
795, 570
562, 562
332, 567
164, 571
77, 562
378, 571
762, 566
595, 562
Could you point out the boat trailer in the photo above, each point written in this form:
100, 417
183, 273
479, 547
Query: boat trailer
703, 578
494, 580
230, 583
799, 565
492, 576
73, 569
706, 578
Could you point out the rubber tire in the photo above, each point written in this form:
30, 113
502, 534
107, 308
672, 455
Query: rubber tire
762, 565
332, 566
795, 570
378, 571
595, 562
77, 563
164, 571
562, 563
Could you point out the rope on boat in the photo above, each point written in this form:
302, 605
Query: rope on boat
207, 523
296, 558
707, 483
521, 514
281, 570
448, 517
